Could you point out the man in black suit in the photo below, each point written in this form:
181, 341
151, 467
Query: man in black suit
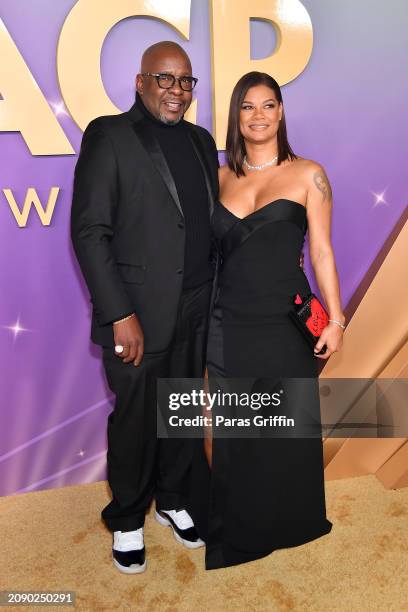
144, 189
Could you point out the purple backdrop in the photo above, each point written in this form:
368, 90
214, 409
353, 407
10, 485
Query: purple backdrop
346, 110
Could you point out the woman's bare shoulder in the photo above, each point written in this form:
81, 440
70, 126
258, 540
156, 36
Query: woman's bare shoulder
223, 170
225, 173
315, 179
308, 168
306, 165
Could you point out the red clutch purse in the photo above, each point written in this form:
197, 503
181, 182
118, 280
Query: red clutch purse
310, 317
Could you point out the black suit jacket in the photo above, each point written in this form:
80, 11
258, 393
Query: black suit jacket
127, 224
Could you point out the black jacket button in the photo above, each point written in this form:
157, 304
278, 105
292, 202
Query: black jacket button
180, 225
180, 271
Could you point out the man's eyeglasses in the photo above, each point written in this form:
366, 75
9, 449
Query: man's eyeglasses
166, 81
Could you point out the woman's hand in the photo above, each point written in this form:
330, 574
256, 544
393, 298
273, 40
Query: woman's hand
332, 337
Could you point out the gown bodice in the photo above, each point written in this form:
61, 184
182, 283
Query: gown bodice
260, 271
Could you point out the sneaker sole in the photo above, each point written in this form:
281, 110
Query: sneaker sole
160, 519
132, 569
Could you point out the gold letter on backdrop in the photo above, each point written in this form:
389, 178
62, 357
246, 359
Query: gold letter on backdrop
31, 199
80, 46
23, 107
231, 48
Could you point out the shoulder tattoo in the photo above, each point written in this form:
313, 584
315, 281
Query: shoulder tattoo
322, 184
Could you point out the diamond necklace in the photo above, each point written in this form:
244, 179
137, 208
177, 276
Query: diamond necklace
261, 166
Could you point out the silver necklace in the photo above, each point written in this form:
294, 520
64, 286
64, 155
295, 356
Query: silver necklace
261, 166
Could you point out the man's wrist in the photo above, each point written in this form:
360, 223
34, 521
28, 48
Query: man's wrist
130, 316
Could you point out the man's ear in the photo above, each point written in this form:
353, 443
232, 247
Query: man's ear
139, 84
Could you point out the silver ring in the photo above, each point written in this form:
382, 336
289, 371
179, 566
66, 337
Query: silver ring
119, 348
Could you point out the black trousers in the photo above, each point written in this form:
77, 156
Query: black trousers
140, 466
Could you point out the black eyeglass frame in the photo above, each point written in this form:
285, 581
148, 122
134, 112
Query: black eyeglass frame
157, 75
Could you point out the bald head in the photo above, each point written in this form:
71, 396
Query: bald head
155, 53
167, 101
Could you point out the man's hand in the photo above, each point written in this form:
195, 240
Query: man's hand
129, 334
302, 260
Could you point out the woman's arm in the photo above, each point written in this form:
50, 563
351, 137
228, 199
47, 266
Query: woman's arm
319, 208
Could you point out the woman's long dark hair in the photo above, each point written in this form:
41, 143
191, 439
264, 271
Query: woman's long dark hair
235, 147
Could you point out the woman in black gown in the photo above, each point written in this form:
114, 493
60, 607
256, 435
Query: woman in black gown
266, 493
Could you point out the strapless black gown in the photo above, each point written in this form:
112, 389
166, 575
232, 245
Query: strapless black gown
267, 493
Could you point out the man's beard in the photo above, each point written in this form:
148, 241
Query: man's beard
164, 119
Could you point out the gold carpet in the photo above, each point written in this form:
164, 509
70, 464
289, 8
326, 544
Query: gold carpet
54, 540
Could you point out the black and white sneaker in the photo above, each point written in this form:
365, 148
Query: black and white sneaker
182, 525
128, 551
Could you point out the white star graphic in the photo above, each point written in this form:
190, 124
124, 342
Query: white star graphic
59, 108
379, 199
16, 328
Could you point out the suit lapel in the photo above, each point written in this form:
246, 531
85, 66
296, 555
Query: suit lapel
202, 159
151, 144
